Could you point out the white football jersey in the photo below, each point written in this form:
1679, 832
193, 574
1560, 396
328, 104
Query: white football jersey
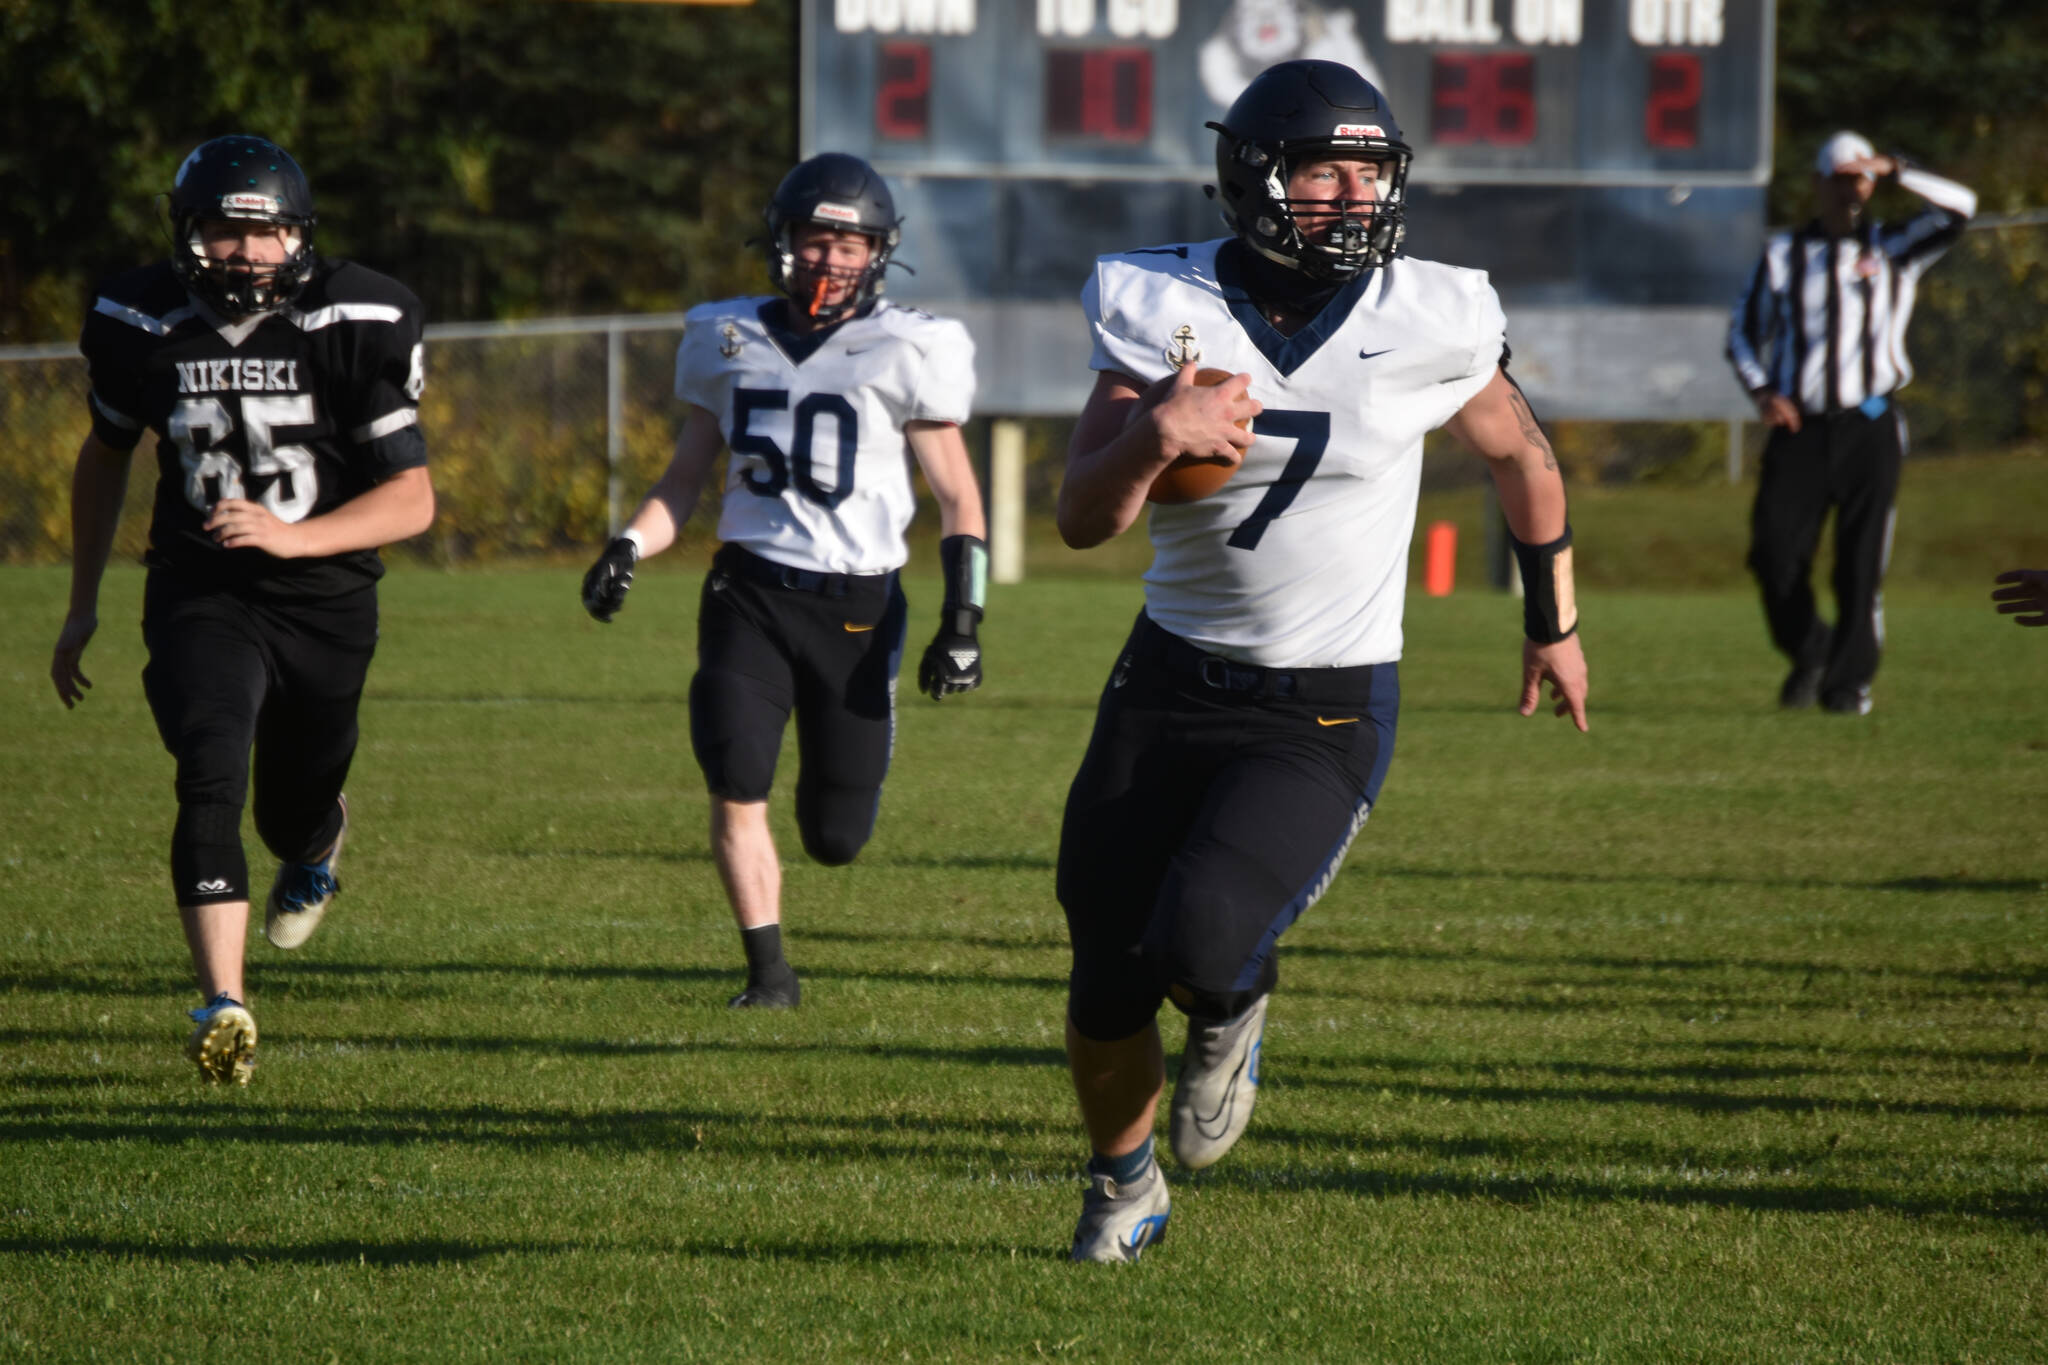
819, 476
1301, 560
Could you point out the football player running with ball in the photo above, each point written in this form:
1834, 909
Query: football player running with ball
816, 393
1249, 721
284, 392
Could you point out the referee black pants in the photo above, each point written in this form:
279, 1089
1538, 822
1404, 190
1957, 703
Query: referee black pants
1849, 463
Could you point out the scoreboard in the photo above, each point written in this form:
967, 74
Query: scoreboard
1605, 161
1558, 92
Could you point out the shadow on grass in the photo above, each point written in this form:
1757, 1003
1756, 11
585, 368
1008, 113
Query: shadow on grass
1849, 1063
431, 1252
1674, 1098
680, 701
982, 1056
966, 938
2026, 1208
857, 1252
418, 980
986, 862
2021, 977
387, 1255
1916, 885
684, 1132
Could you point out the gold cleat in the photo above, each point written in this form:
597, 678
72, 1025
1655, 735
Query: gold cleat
223, 1046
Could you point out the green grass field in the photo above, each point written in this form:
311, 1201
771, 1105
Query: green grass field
1713, 1035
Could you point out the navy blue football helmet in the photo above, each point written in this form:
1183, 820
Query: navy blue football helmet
835, 190
233, 178
1301, 111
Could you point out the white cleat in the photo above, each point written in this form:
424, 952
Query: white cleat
301, 893
223, 1046
1219, 1083
1119, 1221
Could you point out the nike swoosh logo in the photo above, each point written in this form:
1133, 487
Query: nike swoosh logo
1341, 720
1368, 355
857, 629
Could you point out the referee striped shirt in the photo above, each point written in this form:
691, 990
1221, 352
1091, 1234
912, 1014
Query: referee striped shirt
1824, 318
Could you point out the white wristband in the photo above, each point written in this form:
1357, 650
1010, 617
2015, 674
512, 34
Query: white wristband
639, 545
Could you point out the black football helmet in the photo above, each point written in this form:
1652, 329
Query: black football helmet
232, 178
838, 191
1295, 112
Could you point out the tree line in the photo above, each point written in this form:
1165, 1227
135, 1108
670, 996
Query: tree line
513, 158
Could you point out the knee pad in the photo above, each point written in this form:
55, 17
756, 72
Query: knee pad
1214, 1006
299, 830
1216, 939
207, 862
1110, 1000
736, 736
836, 825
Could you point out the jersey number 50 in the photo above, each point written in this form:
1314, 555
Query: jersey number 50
782, 467
201, 426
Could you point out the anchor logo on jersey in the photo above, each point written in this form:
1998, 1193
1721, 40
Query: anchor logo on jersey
1184, 351
730, 345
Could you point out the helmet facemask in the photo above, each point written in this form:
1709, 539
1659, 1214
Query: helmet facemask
842, 192
1293, 113
809, 284
1344, 237
241, 179
235, 286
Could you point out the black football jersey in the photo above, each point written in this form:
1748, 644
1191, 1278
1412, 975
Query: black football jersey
300, 409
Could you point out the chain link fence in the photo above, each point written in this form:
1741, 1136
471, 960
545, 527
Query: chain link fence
543, 434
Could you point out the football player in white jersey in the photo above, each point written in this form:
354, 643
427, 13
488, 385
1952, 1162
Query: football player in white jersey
1245, 729
817, 393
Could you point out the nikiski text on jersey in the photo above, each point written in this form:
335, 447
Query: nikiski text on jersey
238, 376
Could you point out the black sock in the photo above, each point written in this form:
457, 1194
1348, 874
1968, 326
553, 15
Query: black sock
763, 944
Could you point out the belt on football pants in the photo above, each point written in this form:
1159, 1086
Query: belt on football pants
1195, 669
741, 562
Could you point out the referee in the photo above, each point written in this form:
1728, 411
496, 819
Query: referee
1819, 340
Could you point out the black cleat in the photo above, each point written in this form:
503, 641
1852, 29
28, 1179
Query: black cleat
1801, 689
775, 993
1854, 701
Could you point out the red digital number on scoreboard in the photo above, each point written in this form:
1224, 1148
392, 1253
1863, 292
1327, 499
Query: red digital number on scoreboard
1671, 111
1483, 98
1104, 93
903, 94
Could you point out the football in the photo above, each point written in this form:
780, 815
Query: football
1194, 477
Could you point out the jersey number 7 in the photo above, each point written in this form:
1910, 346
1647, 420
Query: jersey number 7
1311, 434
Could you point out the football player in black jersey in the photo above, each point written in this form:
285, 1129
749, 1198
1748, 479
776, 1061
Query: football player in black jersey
283, 390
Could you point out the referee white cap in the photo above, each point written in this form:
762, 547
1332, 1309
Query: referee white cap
1840, 148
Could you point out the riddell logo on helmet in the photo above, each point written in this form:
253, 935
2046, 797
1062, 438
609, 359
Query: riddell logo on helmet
1359, 130
837, 213
249, 203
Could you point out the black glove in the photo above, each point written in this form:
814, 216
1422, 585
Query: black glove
604, 587
952, 661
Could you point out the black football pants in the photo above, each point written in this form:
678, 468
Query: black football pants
1215, 805
1849, 463
773, 640
226, 673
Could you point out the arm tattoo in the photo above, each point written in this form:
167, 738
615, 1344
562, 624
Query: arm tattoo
1532, 431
